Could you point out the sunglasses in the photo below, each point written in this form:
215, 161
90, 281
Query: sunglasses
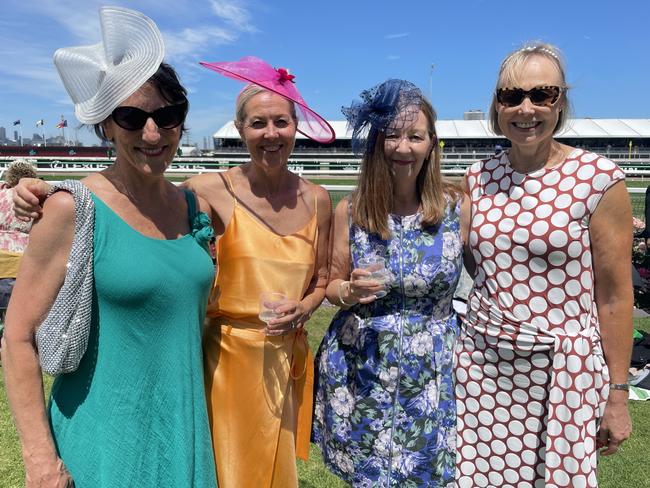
131, 118
542, 96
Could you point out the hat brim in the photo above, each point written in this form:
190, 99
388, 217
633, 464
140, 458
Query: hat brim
311, 124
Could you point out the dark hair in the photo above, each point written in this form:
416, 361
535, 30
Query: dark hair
166, 81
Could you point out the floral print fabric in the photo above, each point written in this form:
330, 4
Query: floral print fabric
385, 411
14, 233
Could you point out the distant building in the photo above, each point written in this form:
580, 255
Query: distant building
188, 151
474, 115
56, 141
3, 134
604, 136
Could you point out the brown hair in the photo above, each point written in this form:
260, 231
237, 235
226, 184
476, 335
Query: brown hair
372, 200
508, 75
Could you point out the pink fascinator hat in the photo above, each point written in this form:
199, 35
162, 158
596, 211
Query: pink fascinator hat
250, 69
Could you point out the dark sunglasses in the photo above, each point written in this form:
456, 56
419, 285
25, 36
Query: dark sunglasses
542, 96
131, 118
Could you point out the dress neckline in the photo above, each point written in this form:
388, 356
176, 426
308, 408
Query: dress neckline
265, 227
541, 171
137, 232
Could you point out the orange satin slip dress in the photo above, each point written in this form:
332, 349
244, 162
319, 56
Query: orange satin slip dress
259, 387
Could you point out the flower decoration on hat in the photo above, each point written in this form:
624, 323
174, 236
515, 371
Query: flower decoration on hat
285, 75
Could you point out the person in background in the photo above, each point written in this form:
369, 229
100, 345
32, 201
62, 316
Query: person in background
385, 409
14, 233
544, 351
133, 413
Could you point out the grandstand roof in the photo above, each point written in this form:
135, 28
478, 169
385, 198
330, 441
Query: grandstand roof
478, 129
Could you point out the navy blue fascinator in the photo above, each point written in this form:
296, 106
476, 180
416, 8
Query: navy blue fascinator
393, 103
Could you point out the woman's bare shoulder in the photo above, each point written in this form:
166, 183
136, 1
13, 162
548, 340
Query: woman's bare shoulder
205, 182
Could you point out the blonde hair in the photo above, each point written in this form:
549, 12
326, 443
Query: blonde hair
244, 97
511, 66
372, 200
17, 169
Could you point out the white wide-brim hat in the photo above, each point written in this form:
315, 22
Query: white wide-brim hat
100, 77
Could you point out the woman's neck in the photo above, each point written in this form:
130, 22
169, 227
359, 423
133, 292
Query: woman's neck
265, 183
526, 159
136, 186
405, 200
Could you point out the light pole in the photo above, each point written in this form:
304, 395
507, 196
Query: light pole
431, 82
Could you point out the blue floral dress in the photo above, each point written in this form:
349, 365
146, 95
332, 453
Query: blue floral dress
385, 411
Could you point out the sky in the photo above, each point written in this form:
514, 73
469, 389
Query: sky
336, 49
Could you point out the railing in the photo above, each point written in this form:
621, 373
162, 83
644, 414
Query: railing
333, 168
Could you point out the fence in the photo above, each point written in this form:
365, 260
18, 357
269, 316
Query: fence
324, 166
328, 172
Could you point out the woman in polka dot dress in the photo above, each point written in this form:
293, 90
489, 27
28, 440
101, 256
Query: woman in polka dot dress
544, 351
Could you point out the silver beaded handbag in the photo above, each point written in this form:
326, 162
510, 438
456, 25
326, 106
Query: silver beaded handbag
62, 338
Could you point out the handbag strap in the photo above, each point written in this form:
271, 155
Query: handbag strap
80, 192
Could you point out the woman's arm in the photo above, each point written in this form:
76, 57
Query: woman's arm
29, 194
212, 189
611, 243
345, 287
465, 227
41, 274
316, 291
299, 313
204, 206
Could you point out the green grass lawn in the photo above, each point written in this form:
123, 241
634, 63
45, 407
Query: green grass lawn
637, 182
626, 469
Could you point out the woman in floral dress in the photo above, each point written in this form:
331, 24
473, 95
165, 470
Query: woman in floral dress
385, 410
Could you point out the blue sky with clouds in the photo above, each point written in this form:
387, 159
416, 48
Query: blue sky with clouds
338, 48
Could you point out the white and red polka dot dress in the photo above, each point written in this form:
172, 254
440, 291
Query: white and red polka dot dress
531, 377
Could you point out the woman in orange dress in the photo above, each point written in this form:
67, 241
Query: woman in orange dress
274, 229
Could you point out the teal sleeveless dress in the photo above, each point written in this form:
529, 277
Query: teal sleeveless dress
134, 413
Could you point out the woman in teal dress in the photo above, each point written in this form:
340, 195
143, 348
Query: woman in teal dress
133, 413
385, 412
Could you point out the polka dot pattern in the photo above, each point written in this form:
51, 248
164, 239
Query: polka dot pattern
529, 360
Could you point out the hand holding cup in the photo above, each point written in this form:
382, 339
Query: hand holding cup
368, 280
280, 313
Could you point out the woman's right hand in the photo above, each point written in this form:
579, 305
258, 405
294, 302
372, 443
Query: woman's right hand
28, 196
50, 474
362, 288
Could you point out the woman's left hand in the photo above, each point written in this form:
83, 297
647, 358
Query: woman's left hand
616, 425
293, 316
